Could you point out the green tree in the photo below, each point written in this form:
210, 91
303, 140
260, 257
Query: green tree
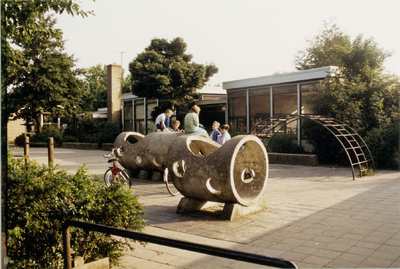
327, 48
19, 20
165, 71
96, 81
359, 92
47, 82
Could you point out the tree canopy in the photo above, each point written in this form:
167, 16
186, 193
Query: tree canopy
46, 81
96, 81
21, 18
360, 92
165, 71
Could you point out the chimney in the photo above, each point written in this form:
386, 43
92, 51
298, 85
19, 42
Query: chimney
114, 91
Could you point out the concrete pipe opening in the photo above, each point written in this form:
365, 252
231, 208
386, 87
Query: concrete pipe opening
201, 148
249, 171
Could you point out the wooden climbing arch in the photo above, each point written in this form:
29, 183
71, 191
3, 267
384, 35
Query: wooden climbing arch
356, 149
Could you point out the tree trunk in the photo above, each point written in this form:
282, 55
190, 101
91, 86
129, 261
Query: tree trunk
38, 124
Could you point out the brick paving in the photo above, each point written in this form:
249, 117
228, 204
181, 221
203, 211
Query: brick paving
317, 217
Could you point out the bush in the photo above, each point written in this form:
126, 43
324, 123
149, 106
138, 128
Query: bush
326, 146
285, 144
384, 146
41, 198
49, 131
19, 141
90, 131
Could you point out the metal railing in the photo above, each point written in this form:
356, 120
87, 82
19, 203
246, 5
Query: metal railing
210, 250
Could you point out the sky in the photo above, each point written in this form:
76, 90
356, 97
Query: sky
243, 38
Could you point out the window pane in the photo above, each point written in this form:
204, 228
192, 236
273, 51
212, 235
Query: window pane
259, 106
305, 94
139, 112
237, 112
285, 103
128, 116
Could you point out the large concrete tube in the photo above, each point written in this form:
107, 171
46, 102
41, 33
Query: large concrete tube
139, 152
235, 172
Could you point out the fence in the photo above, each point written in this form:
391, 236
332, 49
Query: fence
210, 250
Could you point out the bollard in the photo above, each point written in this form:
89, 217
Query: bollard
51, 150
26, 149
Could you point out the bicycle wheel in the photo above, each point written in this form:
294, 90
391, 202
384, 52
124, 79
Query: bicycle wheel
124, 178
170, 186
121, 177
108, 177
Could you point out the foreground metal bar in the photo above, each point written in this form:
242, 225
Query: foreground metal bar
210, 250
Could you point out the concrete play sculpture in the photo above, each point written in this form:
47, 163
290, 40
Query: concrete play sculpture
235, 173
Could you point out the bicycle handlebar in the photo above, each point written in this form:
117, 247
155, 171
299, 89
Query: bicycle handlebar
109, 156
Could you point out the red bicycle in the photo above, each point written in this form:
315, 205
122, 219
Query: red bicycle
114, 174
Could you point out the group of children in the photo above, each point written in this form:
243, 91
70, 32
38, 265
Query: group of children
192, 125
220, 136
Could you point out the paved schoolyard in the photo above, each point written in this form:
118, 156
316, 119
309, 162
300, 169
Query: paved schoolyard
317, 217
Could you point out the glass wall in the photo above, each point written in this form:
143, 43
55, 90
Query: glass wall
305, 90
259, 105
139, 116
285, 100
237, 112
151, 126
128, 116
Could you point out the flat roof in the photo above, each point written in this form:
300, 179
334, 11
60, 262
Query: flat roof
205, 90
303, 75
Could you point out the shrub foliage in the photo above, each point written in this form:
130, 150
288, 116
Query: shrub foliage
85, 132
285, 144
41, 198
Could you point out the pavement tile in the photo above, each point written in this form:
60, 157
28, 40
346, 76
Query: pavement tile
361, 251
283, 246
387, 252
369, 245
304, 236
246, 265
293, 256
307, 265
144, 264
305, 250
294, 241
324, 239
356, 237
337, 247
389, 227
395, 264
317, 260
337, 263
360, 231
144, 253
165, 266
346, 242
182, 262
393, 242
377, 237
271, 252
165, 258
352, 257
327, 253
373, 262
